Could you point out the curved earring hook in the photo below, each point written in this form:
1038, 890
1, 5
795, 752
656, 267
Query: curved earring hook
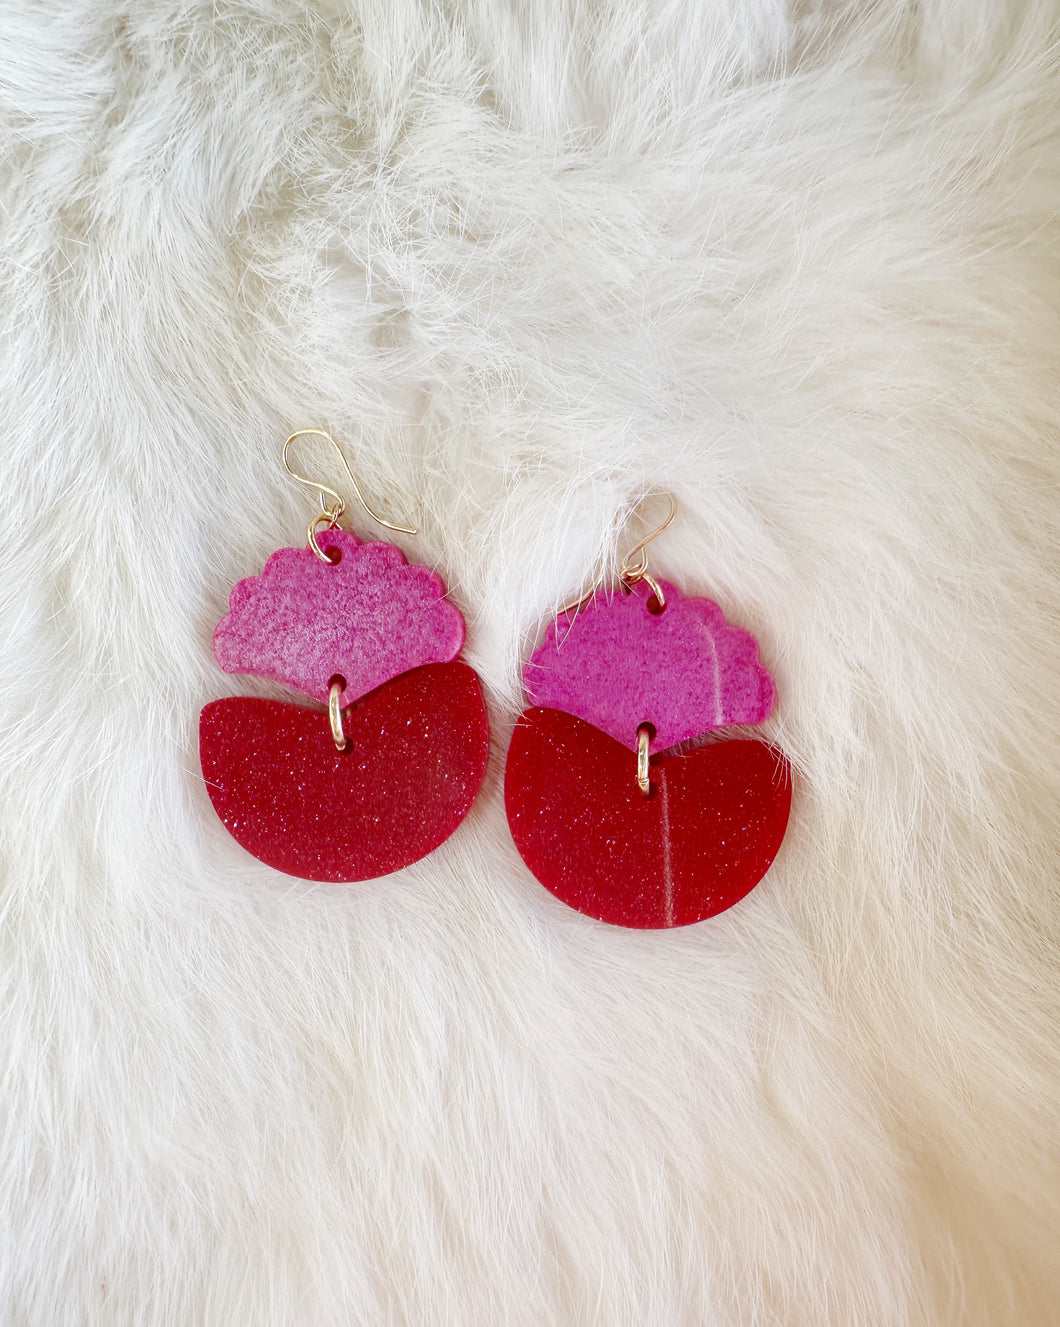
638, 571
333, 513
631, 572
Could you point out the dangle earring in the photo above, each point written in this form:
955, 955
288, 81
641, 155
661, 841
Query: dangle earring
388, 764
604, 811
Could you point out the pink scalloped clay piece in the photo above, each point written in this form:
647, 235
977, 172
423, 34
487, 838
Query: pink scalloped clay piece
366, 616
618, 665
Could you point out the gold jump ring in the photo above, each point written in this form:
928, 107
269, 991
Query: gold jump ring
335, 713
643, 740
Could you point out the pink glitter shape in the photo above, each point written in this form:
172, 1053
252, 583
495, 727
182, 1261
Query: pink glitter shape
368, 617
618, 665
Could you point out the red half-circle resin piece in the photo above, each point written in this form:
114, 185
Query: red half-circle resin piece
414, 760
703, 839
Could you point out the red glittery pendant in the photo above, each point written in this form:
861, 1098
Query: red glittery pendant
604, 807
703, 837
387, 771
415, 757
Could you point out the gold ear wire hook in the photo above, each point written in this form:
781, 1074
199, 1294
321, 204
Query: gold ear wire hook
631, 572
333, 513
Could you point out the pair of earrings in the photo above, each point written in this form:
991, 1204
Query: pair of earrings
608, 806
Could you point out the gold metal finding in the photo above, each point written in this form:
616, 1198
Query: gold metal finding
656, 590
643, 740
631, 572
634, 566
331, 514
335, 713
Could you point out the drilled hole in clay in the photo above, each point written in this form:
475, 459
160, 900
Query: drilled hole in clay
338, 677
654, 606
334, 556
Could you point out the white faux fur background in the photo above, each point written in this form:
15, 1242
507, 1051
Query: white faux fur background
797, 262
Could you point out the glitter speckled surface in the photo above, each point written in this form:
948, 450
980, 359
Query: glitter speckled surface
697, 845
617, 665
415, 758
366, 618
